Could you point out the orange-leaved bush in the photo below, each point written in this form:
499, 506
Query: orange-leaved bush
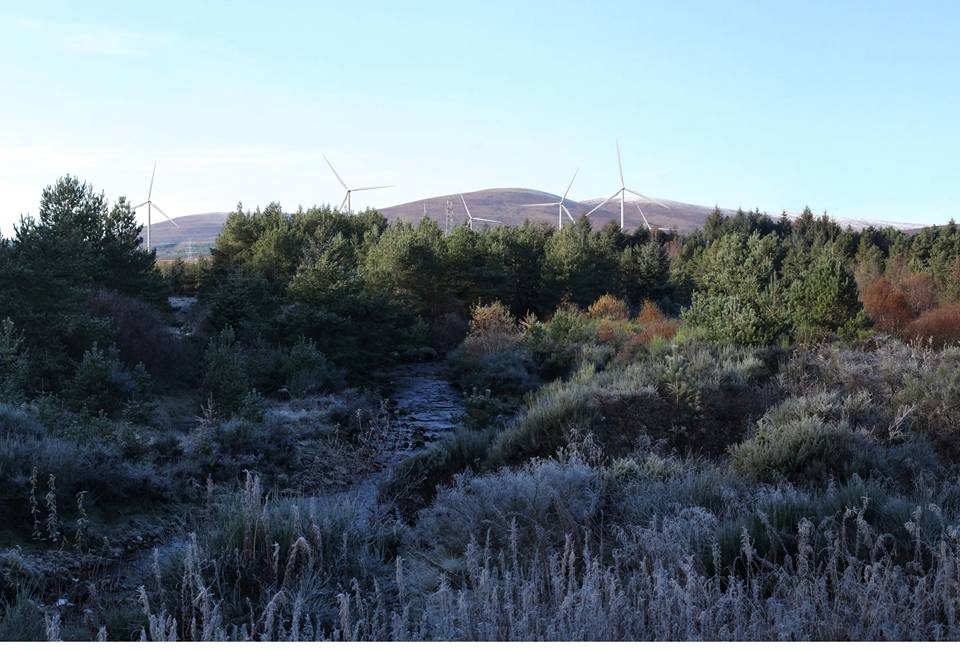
919, 289
939, 327
664, 329
650, 313
607, 306
492, 329
887, 306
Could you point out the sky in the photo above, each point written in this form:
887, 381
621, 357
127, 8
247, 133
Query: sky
848, 107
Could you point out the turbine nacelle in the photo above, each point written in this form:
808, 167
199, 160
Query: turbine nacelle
622, 193
471, 218
350, 190
561, 208
151, 206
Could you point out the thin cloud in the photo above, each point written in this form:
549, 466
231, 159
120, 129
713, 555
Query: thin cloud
81, 38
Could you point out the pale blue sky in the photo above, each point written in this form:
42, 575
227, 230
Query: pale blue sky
849, 107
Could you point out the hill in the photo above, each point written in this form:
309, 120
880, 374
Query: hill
198, 232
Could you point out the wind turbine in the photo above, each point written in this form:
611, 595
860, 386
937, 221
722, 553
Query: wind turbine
346, 199
153, 206
561, 208
623, 191
471, 218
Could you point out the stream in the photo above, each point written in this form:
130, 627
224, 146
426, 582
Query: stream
425, 410
426, 404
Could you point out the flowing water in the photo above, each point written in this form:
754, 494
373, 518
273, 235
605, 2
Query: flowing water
425, 409
425, 404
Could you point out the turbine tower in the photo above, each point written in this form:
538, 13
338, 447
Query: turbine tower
622, 193
471, 218
561, 208
350, 190
448, 224
153, 206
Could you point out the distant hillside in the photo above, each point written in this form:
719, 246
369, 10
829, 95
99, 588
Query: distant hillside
198, 232
195, 235
506, 204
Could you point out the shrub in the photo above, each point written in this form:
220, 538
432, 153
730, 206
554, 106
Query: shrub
938, 327
414, 482
27, 448
507, 372
887, 306
225, 382
102, 383
308, 371
447, 330
932, 400
143, 336
226, 448
492, 329
806, 449
537, 506
650, 313
542, 429
919, 289
664, 329
609, 307
731, 319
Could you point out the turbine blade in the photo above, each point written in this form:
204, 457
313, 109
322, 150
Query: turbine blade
537, 205
648, 199
329, 164
137, 207
564, 197
604, 202
487, 220
620, 165
569, 216
646, 223
372, 187
469, 216
152, 174
157, 208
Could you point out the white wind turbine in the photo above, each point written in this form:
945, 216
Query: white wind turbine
623, 191
561, 208
471, 218
346, 199
153, 206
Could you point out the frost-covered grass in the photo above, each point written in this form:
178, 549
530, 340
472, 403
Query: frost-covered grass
694, 492
526, 555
